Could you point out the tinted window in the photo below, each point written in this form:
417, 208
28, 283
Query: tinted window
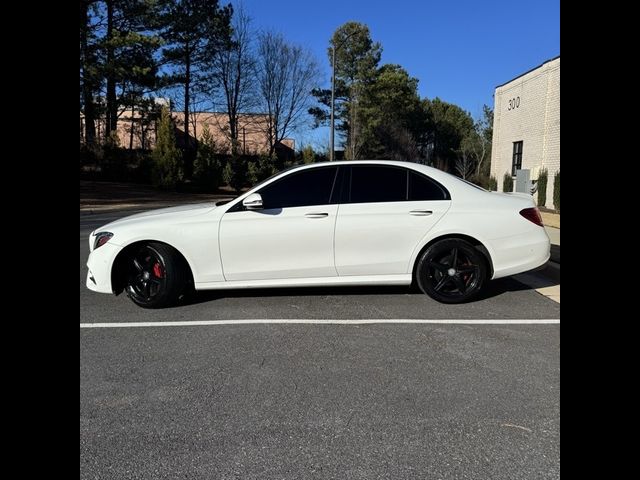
378, 184
423, 188
516, 163
309, 187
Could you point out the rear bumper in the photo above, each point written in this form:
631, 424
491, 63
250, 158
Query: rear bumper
99, 264
520, 253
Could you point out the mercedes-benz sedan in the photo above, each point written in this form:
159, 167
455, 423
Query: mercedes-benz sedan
325, 224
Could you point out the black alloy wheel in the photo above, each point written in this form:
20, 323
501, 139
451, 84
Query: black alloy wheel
451, 271
156, 276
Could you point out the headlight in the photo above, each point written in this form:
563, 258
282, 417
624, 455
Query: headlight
101, 239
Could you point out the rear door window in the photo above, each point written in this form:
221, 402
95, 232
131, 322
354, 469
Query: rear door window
378, 183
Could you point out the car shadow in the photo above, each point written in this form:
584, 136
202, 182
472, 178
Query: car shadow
492, 289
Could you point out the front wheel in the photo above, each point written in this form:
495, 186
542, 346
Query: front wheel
451, 271
157, 276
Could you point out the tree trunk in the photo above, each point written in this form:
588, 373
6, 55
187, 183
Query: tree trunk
112, 107
132, 126
233, 133
272, 141
87, 87
187, 144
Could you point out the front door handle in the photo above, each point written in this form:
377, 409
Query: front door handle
420, 213
316, 215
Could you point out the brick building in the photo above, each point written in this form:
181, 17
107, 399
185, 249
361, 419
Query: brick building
526, 125
252, 139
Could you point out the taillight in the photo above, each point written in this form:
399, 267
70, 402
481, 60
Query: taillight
533, 215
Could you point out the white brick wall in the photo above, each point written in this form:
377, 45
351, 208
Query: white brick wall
527, 109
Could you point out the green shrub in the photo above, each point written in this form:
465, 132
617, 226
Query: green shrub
235, 172
167, 171
556, 191
484, 181
542, 187
143, 172
261, 169
114, 161
479, 180
308, 155
507, 183
207, 168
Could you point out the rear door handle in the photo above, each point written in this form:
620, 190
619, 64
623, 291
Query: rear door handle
421, 213
316, 215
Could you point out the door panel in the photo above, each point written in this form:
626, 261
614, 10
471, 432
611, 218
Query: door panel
292, 237
387, 210
379, 238
280, 243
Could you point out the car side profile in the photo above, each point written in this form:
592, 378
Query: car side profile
325, 224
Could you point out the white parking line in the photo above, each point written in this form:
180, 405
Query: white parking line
321, 321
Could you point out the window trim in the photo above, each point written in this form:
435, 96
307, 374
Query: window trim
341, 188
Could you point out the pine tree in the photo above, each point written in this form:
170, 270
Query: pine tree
556, 191
207, 170
193, 30
542, 187
308, 155
507, 183
235, 172
166, 156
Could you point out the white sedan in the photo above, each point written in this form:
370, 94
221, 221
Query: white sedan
337, 223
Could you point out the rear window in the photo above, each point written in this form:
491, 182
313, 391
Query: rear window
423, 188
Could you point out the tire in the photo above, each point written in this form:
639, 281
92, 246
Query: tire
441, 280
156, 276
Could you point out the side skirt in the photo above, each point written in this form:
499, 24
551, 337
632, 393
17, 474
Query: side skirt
403, 279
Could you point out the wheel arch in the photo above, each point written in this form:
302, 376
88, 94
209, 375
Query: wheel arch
118, 270
461, 236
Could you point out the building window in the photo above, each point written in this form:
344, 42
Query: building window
517, 157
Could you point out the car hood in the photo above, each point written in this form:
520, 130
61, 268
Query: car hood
161, 215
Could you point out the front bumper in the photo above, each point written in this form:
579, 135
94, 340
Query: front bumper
99, 264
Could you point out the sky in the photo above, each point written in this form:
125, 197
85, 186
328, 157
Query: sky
459, 50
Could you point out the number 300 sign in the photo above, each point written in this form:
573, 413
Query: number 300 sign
514, 103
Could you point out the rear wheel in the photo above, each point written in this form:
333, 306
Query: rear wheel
156, 276
451, 271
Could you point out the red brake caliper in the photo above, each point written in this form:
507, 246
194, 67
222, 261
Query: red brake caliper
157, 270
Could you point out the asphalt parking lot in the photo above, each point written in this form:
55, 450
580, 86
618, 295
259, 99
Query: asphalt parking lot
274, 400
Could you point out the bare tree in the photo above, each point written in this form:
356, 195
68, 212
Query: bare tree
480, 151
465, 164
233, 73
286, 75
476, 144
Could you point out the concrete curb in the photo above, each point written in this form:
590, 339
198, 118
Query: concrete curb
552, 271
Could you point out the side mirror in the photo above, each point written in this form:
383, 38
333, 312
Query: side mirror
253, 202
